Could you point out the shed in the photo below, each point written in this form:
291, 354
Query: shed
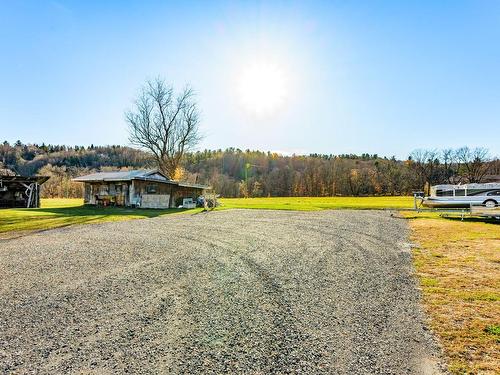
20, 191
137, 188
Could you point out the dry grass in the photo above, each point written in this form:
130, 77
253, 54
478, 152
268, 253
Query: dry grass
458, 263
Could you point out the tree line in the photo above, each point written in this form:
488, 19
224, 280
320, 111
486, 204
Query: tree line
253, 173
246, 173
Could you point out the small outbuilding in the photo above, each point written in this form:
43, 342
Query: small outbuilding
20, 191
137, 188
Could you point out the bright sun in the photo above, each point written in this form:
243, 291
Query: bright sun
262, 88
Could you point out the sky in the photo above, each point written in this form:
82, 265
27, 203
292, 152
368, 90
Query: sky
330, 77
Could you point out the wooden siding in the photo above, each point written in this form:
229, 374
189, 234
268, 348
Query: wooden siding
129, 193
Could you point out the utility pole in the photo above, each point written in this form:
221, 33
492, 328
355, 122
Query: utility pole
247, 167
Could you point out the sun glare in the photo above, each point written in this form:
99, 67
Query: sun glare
262, 88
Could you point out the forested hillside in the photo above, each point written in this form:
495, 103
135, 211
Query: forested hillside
236, 173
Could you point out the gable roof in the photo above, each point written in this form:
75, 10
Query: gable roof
141, 174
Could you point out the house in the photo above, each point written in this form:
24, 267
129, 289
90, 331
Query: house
137, 188
20, 191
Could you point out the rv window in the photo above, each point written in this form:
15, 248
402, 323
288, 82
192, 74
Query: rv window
459, 192
444, 193
494, 193
476, 191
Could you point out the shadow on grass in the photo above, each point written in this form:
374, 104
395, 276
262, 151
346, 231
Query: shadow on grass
465, 219
488, 220
26, 221
84, 210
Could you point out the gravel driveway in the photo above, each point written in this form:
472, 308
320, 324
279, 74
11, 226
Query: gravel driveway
236, 291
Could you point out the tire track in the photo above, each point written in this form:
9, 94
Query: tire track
286, 352
247, 291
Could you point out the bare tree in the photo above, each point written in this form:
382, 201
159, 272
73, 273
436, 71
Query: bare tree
494, 167
473, 163
164, 124
450, 164
424, 163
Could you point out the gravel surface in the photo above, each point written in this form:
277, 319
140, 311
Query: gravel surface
236, 291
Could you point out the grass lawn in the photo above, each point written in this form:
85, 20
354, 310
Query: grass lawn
318, 203
458, 264
63, 212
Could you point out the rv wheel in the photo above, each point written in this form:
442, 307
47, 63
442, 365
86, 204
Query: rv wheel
490, 203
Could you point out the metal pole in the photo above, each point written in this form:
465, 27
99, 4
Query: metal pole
247, 165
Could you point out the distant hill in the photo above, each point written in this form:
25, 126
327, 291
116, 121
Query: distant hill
235, 173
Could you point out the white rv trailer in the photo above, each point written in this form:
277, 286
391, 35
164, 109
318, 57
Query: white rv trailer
459, 196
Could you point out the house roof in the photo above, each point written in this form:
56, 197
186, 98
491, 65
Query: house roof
143, 174
123, 176
196, 186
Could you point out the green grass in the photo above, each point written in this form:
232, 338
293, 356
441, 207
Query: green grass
319, 203
493, 330
63, 212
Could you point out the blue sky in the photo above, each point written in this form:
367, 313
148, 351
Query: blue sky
381, 77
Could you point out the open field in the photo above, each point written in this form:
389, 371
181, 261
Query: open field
230, 291
458, 264
319, 203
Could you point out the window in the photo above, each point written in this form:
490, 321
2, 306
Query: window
476, 192
103, 190
151, 188
495, 193
459, 192
444, 193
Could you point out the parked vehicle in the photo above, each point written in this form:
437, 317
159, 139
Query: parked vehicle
459, 196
